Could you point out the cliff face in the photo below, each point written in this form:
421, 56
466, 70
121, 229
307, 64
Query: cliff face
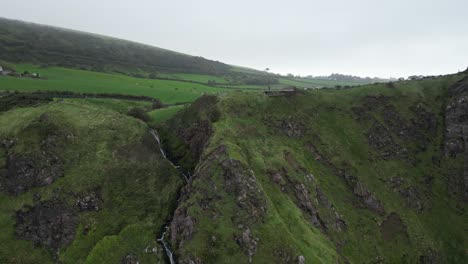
456, 138
375, 174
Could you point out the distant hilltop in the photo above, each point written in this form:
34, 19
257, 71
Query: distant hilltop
350, 78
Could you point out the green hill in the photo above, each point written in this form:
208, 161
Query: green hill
23, 42
366, 175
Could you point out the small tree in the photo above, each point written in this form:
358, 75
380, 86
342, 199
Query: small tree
138, 113
157, 104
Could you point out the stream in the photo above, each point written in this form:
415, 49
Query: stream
186, 176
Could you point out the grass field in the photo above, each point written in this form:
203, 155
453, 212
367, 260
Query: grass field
63, 79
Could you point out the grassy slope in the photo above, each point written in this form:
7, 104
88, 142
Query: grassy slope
248, 127
106, 150
47, 45
62, 79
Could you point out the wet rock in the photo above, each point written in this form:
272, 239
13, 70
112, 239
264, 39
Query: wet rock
129, 259
182, 227
392, 227
248, 243
51, 224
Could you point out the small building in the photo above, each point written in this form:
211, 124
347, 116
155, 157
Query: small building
287, 91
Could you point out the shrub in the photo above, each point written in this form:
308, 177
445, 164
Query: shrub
138, 113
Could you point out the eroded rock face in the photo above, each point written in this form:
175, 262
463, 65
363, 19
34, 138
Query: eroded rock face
248, 243
89, 201
240, 182
361, 191
51, 224
456, 137
305, 203
130, 259
182, 227
25, 171
390, 137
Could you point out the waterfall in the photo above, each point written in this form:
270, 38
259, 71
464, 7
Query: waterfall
168, 250
186, 176
163, 153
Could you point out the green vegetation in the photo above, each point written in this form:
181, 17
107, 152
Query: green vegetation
62, 79
51, 46
104, 155
163, 114
392, 209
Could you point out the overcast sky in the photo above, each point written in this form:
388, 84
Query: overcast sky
361, 37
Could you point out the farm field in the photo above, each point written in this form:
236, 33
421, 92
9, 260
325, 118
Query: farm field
63, 79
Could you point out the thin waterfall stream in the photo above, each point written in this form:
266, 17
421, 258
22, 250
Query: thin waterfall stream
186, 176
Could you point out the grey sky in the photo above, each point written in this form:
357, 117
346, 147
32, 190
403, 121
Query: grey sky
362, 37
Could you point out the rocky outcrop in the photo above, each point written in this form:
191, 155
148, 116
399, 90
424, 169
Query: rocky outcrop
51, 224
335, 220
129, 259
89, 201
240, 181
305, 203
182, 227
291, 126
380, 138
392, 136
248, 243
25, 171
456, 137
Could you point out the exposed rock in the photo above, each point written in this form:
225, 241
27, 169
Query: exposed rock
182, 227
413, 198
51, 224
190, 260
392, 227
283, 255
394, 182
291, 126
248, 243
456, 137
241, 183
25, 171
336, 221
381, 139
430, 257
367, 197
305, 203
130, 259
90, 201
